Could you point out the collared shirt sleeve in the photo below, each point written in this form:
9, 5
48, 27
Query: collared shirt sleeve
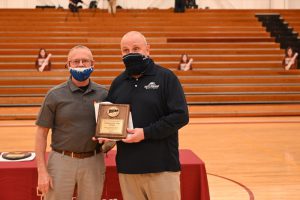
177, 112
46, 115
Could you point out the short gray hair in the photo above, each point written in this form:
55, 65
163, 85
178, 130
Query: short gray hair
79, 47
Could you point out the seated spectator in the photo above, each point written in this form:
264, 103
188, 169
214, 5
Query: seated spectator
93, 4
191, 4
43, 62
185, 63
73, 5
290, 59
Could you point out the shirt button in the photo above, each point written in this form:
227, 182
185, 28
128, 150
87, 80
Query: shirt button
135, 85
137, 79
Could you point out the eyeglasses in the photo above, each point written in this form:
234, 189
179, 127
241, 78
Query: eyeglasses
85, 62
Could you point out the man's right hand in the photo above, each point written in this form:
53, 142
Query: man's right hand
101, 140
44, 182
106, 144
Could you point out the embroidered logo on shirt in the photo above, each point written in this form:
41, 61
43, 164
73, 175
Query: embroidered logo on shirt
151, 86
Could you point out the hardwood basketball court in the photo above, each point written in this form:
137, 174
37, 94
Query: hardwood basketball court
246, 158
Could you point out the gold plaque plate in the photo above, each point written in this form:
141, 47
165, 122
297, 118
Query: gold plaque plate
112, 121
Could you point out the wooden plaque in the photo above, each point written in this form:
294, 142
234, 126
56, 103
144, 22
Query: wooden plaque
112, 121
16, 155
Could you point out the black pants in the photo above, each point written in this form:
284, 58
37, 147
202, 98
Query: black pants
179, 6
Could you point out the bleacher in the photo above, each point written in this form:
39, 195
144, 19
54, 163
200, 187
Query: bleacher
293, 19
236, 71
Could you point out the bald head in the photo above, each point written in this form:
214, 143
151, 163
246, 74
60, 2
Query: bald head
134, 42
135, 35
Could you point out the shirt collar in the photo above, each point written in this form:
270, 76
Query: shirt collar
150, 71
74, 88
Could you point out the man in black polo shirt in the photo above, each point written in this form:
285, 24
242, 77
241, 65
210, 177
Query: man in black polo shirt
68, 109
148, 159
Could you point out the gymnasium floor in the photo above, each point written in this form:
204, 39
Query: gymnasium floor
246, 158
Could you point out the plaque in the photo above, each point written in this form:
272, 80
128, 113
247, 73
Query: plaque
112, 121
16, 155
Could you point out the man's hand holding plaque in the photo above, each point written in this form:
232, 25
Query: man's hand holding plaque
112, 121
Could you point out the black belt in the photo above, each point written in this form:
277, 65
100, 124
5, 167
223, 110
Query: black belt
76, 154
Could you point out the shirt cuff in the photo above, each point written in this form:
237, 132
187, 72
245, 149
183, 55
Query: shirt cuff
43, 123
147, 133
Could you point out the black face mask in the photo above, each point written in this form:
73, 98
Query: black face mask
135, 63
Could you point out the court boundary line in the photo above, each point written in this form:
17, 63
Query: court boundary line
250, 193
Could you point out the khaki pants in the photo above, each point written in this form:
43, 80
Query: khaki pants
112, 6
152, 186
66, 171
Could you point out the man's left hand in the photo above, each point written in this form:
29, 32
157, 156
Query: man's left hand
134, 135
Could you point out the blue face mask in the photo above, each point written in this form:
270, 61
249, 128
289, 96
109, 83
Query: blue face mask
81, 73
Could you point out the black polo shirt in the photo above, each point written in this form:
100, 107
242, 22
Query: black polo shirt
158, 105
